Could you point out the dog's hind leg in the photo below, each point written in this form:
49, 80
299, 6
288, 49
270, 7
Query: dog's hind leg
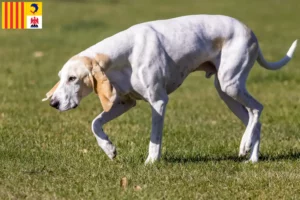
250, 138
254, 108
241, 112
237, 60
118, 108
238, 109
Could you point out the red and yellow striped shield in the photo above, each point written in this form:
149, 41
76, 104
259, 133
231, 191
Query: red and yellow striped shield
20, 15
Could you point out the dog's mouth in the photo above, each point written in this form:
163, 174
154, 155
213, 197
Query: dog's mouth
63, 109
70, 108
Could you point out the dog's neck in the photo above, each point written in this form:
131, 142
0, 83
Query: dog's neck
117, 48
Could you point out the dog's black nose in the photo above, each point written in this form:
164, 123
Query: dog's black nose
54, 103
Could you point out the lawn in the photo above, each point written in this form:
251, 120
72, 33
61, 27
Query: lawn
45, 154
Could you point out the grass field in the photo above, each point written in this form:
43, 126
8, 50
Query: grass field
45, 154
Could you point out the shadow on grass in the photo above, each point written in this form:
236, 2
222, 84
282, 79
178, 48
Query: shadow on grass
283, 156
198, 158
211, 158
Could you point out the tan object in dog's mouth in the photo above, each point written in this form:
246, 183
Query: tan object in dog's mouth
50, 93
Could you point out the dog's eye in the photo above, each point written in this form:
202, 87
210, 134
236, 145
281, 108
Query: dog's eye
72, 78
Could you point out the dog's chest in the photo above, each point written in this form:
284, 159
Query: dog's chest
175, 79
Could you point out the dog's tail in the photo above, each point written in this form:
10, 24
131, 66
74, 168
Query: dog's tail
276, 65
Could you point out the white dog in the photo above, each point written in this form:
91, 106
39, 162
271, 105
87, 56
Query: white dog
148, 61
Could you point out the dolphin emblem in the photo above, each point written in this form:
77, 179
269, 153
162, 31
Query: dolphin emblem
35, 6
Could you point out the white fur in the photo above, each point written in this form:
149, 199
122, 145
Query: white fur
151, 60
70, 93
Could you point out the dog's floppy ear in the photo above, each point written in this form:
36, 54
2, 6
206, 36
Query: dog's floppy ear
100, 82
50, 93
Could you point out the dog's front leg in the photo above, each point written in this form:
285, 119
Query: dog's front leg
116, 110
158, 113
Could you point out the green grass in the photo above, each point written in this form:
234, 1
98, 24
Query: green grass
45, 154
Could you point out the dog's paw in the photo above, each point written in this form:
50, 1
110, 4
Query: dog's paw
242, 152
112, 154
110, 150
245, 150
252, 160
245, 147
150, 160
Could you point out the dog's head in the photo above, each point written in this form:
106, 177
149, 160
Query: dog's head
78, 78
